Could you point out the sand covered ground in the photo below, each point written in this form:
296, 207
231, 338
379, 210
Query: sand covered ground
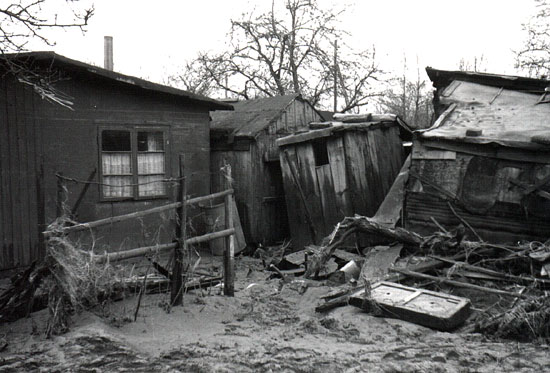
264, 328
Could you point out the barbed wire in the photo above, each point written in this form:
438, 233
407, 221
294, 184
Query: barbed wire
168, 180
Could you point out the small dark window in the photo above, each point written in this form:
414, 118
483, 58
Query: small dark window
116, 141
320, 152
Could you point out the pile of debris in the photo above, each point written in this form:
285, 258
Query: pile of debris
498, 290
69, 280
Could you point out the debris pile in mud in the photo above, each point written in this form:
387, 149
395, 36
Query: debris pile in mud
506, 284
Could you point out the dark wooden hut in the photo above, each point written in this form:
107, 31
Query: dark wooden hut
341, 170
487, 156
245, 138
104, 128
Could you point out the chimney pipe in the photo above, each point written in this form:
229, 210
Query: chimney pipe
108, 52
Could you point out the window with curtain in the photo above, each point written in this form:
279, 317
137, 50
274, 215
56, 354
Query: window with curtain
133, 163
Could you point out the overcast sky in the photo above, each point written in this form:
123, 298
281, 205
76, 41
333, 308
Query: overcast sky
153, 38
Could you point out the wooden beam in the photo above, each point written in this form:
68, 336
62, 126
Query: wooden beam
458, 283
141, 251
176, 283
138, 214
229, 255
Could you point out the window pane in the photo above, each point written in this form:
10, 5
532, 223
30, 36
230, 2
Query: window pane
116, 141
152, 188
116, 163
119, 186
150, 141
150, 163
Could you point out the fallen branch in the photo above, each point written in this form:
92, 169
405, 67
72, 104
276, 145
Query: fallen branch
504, 276
353, 225
464, 222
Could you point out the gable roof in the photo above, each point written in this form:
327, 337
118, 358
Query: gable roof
251, 116
497, 112
78, 66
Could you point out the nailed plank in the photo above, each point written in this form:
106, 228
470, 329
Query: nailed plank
357, 172
14, 196
328, 197
34, 231
297, 219
420, 151
308, 181
5, 225
25, 176
306, 136
337, 160
378, 164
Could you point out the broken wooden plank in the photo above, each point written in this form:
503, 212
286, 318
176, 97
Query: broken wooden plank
389, 212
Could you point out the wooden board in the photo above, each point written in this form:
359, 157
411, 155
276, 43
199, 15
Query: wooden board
422, 152
337, 160
328, 197
297, 220
428, 308
308, 180
357, 171
389, 211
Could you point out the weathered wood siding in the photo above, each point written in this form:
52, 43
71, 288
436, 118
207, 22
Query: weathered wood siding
361, 168
21, 187
43, 138
257, 175
499, 210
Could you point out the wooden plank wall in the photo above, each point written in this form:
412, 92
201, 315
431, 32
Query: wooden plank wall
20, 192
362, 167
241, 169
258, 182
40, 138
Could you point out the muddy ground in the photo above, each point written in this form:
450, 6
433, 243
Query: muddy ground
262, 329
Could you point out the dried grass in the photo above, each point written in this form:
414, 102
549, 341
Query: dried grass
529, 320
77, 281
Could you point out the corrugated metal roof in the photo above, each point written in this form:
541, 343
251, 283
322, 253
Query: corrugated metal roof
504, 116
251, 116
58, 59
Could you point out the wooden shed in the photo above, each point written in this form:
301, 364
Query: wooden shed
245, 138
487, 156
338, 171
111, 131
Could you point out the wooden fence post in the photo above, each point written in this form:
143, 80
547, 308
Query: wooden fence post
59, 211
176, 291
229, 254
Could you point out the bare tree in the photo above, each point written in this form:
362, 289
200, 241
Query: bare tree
25, 20
287, 50
478, 64
409, 99
534, 57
